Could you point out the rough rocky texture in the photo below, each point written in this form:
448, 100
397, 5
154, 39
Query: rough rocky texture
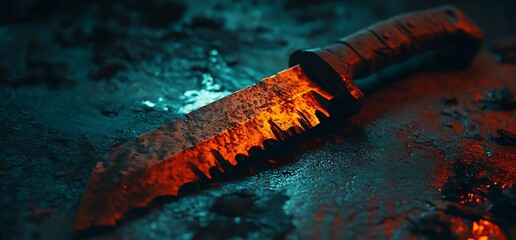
78, 79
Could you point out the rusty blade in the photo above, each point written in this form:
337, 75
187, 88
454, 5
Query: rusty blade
207, 143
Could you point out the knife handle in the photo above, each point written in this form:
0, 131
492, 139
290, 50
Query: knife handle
444, 30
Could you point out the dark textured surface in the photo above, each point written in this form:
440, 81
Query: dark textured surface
78, 79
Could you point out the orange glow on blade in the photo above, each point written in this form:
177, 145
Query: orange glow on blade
209, 142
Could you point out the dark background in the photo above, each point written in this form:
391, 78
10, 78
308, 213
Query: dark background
431, 156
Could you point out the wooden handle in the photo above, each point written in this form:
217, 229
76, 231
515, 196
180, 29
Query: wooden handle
444, 30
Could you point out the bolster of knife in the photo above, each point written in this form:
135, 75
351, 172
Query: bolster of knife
444, 30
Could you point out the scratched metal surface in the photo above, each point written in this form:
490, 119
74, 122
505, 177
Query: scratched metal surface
424, 155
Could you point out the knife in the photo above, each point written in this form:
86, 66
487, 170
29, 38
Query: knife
234, 130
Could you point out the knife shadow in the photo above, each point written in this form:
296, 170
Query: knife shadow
430, 61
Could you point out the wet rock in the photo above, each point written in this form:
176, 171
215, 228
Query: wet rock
53, 75
73, 36
110, 110
142, 108
175, 34
506, 138
38, 214
242, 214
312, 17
225, 230
434, 226
505, 50
4, 75
457, 113
107, 70
504, 206
12, 11
59, 174
267, 41
317, 15
449, 100
207, 22
232, 61
300, 4
234, 204
307, 11
104, 36
499, 99
160, 13
7, 12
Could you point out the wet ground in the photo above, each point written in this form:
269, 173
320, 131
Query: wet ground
431, 156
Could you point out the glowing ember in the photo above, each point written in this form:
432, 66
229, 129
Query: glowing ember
484, 230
